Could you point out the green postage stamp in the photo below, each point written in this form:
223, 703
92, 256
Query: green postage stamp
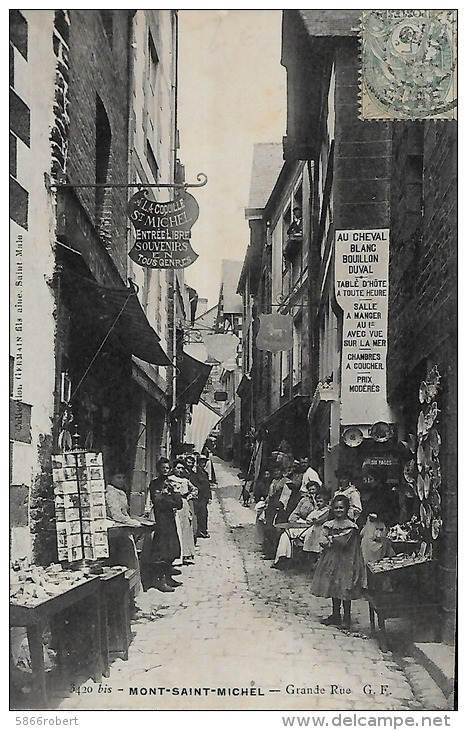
408, 64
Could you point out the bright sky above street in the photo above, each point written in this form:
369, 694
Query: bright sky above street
231, 94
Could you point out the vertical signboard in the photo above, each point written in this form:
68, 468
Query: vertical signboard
362, 288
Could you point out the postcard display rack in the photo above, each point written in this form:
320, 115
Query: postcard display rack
79, 490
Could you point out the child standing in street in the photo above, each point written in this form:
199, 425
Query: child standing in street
340, 569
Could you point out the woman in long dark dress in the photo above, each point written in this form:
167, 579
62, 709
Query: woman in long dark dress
340, 569
165, 547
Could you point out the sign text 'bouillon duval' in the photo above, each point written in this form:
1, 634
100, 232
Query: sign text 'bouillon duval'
163, 231
361, 286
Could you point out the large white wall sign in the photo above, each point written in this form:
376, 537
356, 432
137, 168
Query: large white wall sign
362, 288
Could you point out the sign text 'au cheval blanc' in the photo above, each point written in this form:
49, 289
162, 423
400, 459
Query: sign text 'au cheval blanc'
362, 287
163, 231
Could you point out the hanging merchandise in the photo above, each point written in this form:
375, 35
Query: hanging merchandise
79, 489
431, 415
435, 441
408, 470
424, 472
352, 436
435, 529
381, 432
421, 426
432, 383
163, 231
275, 332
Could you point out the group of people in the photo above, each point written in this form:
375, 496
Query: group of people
178, 501
336, 536
177, 505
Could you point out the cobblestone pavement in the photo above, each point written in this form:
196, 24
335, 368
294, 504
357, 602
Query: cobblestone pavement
243, 636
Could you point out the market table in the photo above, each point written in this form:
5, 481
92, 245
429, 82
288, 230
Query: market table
116, 618
123, 550
302, 527
35, 618
295, 531
400, 589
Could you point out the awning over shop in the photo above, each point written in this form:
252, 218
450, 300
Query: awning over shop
204, 419
191, 379
119, 310
227, 413
294, 409
288, 423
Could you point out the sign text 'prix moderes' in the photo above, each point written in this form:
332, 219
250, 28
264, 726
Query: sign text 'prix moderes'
361, 287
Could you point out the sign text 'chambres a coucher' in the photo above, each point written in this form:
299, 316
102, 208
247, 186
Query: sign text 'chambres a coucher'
361, 287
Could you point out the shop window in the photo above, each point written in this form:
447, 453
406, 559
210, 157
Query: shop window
152, 162
12, 66
285, 375
19, 32
296, 226
293, 237
103, 142
62, 25
297, 352
20, 121
13, 154
107, 22
153, 62
19, 204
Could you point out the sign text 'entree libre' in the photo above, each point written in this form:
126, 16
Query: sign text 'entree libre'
163, 231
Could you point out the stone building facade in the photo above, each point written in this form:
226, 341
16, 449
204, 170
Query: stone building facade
93, 111
395, 180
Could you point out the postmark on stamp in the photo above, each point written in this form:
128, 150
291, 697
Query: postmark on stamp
408, 64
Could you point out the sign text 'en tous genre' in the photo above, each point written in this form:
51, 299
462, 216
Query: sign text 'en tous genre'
163, 231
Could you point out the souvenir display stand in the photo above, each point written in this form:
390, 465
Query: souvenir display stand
80, 513
406, 584
81, 589
398, 587
35, 609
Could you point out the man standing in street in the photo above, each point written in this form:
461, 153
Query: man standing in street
199, 478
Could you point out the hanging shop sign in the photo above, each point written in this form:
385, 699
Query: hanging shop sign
163, 231
275, 332
361, 288
221, 347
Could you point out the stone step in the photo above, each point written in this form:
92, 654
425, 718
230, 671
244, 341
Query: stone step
439, 661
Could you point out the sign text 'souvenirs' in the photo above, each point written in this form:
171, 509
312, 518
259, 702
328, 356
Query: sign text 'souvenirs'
163, 231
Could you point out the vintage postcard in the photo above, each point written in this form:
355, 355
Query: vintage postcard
233, 338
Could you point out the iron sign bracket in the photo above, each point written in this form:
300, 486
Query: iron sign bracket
201, 177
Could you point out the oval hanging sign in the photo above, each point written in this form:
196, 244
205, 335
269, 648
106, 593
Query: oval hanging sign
163, 231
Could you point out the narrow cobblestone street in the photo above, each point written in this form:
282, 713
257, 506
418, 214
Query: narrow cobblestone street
235, 623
